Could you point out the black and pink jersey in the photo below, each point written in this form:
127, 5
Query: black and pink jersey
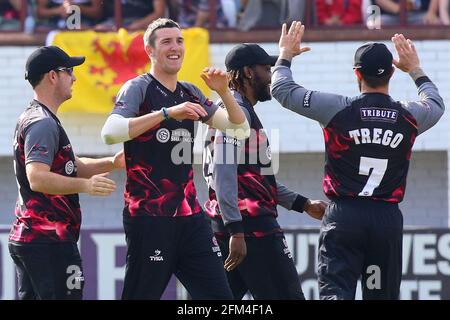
243, 191
368, 138
40, 217
160, 176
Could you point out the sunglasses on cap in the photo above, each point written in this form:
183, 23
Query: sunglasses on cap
65, 69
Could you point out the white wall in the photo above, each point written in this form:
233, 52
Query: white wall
328, 67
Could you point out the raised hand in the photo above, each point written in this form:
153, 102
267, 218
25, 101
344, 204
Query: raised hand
408, 59
187, 110
316, 208
291, 41
99, 185
215, 79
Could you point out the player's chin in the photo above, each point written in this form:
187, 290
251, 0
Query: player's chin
174, 69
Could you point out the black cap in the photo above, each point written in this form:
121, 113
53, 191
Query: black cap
47, 58
373, 59
248, 54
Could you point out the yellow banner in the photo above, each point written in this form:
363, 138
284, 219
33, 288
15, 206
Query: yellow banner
114, 58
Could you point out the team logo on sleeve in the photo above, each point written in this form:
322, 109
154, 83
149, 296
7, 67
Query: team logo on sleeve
163, 135
69, 167
38, 150
119, 105
208, 103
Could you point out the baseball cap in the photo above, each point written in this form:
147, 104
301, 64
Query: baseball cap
47, 58
248, 54
373, 59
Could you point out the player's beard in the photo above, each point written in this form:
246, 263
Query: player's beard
359, 85
262, 90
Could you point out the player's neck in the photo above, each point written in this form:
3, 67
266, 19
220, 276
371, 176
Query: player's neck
50, 102
367, 89
167, 80
248, 94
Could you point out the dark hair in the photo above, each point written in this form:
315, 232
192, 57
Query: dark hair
376, 82
35, 81
149, 36
236, 79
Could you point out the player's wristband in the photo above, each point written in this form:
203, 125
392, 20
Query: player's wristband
283, 62
165, 113
299, 203
235, 227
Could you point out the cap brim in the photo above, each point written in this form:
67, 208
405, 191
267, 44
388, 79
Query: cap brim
273, 60
75, 61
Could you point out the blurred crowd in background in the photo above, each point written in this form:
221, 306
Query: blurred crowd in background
244, 15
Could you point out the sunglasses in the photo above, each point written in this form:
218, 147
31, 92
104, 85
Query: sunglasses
65, 69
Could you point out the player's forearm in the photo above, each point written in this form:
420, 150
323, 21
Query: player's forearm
417, 73
139, 125
220, 120
119, 129
289, 199
53, 183
288, 93
87, 167
235, 113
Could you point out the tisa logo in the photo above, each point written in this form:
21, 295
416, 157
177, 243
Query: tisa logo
157, 256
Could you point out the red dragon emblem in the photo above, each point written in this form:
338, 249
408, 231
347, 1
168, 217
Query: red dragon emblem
126, 63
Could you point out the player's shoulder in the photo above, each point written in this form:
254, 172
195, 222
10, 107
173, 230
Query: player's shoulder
141, 81
37, 117
189, 86
37, 113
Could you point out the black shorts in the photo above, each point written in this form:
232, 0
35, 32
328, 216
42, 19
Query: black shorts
158, 247
48, 271
267, 271
360, 238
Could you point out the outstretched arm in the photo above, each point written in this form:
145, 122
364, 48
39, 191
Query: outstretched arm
41, 179
87, 167
294, 201
125, 123
430, 108
315, 105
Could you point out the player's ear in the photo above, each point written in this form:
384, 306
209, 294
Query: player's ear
358, 74
149, 50
248, 72
52, 76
